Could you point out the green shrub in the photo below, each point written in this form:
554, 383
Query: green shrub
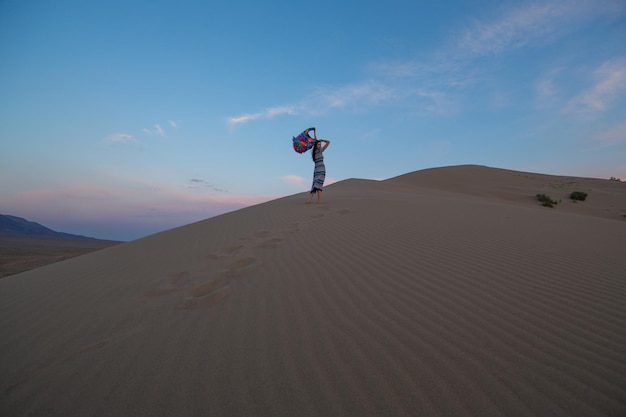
546, 200
578, 195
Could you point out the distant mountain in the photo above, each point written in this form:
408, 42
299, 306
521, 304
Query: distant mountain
19, 226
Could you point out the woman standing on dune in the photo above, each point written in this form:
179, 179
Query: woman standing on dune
319, 172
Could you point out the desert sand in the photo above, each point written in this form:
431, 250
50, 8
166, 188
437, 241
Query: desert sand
19, 253
443, 292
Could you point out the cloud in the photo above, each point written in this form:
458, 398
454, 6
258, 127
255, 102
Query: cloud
157, 129
371, 92
514, 29
79, 200
546, 90
205, 184
195, 181
448, 68
323, 99
609, 82
120, 138
531, 24
265, 114
510, 30
426, 84
294, 180
125, 138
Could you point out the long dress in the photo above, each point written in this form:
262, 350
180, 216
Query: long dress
319, 172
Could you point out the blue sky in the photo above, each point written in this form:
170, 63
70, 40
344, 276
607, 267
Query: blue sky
119, 119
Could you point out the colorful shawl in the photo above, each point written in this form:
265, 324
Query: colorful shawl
303, 142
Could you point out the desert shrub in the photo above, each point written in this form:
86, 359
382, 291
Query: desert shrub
546, 201
578, 196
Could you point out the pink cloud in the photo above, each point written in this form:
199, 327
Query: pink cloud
294, 180
609, 83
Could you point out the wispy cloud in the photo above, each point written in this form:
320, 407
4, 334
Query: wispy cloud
120, 138
546, 89
57, 201
265, 114
158, 130
530, 24
323, 99
294, 180
609, 83
428, 84
516, 28
198, 183
126, 138
369, 92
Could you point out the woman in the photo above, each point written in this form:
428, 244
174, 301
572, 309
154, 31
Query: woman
319, 172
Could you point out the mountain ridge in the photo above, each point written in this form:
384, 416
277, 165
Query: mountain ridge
15, 225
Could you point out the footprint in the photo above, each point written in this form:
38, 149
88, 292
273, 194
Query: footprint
208, 288
218, 289
169, 285
208, 285
241, 263
241, 268
272, 243
207, 301
225, 252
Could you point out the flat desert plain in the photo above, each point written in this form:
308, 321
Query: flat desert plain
19, 253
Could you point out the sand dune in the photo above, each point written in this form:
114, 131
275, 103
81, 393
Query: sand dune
444, 292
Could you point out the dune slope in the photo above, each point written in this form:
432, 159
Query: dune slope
419, 295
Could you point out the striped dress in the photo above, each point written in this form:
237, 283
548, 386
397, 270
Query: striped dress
319, 172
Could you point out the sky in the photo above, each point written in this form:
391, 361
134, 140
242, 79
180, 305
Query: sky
120, 119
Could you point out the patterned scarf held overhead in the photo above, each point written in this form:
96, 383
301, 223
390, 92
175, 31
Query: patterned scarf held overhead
303, 142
